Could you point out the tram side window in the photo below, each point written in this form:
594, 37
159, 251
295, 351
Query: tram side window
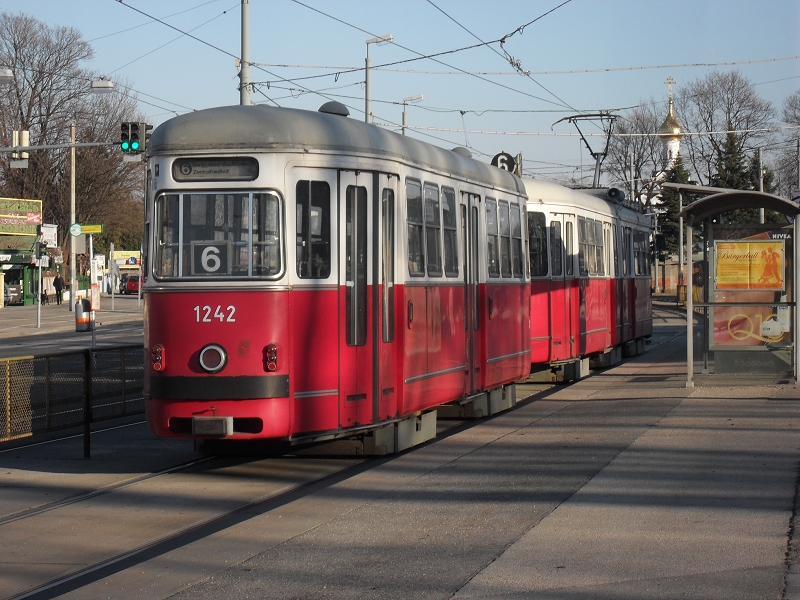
583, 247
599, 249
556, 250
266, 235
641, 250
433, 225
617, 267
505, 239
167, 250
450, 225
387, 261
356, 265
590, 247
537, 243
313, 229
569, 246
493, 250
416, 249
626, 252
516, 241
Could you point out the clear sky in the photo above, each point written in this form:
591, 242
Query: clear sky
584, 55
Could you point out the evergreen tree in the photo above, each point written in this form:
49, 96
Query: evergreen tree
730, 166
670, 204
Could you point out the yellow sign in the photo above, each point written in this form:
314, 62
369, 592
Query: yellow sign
756, 265
87, 229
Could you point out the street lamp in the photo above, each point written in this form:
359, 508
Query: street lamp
102, 86
415, 98
384, 39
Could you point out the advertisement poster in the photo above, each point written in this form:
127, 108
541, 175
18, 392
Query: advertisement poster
20, 217
751, 265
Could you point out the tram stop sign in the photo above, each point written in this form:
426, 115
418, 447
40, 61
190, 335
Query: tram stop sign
504, 161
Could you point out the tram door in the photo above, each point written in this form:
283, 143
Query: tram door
367, 336
565, 294
470, 212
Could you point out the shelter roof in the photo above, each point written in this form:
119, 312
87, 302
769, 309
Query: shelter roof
722, 200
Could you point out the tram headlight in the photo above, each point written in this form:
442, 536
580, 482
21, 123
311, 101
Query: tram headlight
271, 357
157, 357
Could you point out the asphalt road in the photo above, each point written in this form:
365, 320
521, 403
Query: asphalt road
20, 336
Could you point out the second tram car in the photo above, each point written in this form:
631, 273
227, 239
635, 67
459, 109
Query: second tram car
590, 279
309, 276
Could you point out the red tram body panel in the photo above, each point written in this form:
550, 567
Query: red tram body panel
309, 276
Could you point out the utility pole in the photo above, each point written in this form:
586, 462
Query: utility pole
244, 70
73, 288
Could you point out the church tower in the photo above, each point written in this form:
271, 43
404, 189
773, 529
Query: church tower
670, 131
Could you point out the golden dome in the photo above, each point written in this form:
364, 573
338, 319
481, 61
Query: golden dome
670, 129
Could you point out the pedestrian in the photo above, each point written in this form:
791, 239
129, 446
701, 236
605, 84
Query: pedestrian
58, 285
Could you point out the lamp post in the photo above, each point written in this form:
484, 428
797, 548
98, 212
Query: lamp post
415, 98
384, 39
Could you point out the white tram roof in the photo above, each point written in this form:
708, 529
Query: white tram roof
260, 128
550, 195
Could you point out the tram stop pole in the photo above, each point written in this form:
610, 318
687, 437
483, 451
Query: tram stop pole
689, 307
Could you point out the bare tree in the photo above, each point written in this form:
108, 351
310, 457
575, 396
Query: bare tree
635, 139
787, 157
49, 92
714, 105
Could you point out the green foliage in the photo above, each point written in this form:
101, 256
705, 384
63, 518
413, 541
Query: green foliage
730, 165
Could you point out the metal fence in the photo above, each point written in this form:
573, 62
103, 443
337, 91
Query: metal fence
50, 392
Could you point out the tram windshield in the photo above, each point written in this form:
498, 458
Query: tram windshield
218, 234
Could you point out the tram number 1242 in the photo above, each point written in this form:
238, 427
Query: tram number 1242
202, 314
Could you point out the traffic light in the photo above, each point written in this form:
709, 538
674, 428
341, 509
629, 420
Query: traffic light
40, 249
125, 137
134, 137
135, 142
146, 131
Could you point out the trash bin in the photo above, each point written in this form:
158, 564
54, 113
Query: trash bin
83, 313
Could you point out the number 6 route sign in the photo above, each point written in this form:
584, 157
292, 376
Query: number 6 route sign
504, 161
210, 259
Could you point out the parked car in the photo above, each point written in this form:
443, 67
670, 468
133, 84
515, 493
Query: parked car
132, 284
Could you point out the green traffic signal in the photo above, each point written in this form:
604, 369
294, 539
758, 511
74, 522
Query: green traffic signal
125, 136
135, 145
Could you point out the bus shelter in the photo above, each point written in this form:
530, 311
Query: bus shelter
748, 273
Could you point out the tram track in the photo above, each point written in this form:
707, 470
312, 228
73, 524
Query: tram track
204, 528
33, 511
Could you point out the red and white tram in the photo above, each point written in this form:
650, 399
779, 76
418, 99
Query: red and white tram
309, 276
590, 279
